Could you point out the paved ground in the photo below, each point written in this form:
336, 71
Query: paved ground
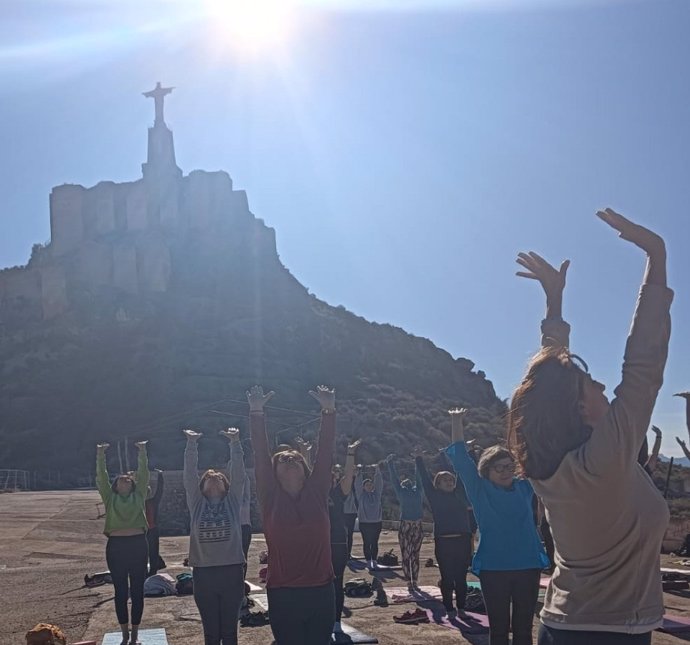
48, 541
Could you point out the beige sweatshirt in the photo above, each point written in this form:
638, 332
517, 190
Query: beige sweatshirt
607, 517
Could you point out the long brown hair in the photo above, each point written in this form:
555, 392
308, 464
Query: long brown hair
544, 421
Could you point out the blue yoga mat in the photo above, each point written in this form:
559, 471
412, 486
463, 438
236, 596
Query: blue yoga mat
146, 637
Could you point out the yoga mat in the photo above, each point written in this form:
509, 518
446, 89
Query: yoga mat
475, 624
682, 572
146, 637
261, 599
355, 564
675, 624
401, 594
352, 635
544, 582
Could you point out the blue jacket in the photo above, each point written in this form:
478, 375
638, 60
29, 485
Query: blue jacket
508, 536
410, 498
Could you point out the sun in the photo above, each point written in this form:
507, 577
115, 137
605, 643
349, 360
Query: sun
250, 26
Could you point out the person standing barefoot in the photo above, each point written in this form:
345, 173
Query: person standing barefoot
215, 538
125, 525
410, 531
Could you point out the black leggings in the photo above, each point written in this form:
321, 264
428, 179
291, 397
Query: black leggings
453, 555
549, 636
153, 540
246, 543
370, 536
302, 615
500, 588
218, 593
339, 560
127, 558
350, 519
547, 538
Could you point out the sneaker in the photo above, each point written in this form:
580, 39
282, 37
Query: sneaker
412, 617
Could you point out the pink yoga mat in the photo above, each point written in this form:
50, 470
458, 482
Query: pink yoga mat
674, 624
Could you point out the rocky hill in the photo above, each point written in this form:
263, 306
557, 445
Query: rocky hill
159, 301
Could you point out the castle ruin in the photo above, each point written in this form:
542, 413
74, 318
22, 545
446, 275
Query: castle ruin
118, 236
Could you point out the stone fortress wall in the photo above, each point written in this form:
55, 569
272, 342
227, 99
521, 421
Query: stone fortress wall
118, 235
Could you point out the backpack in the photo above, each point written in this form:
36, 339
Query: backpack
358, 588
184, 584
388, 559
475, 601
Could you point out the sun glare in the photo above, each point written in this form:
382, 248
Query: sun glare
250, 26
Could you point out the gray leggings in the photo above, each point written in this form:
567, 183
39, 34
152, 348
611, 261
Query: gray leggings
218, 593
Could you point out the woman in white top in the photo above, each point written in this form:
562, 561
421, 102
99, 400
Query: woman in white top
580, 453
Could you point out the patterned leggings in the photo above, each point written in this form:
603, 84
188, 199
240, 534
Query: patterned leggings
410, 536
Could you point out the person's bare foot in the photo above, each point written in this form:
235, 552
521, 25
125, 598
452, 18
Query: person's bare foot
683, 395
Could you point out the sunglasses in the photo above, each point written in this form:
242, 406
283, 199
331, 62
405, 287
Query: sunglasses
579, 361
504, 468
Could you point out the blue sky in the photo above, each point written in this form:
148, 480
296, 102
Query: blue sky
404, 151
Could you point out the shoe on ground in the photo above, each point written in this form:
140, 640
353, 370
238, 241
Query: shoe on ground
412, 617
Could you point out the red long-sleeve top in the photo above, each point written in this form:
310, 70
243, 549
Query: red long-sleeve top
297, 530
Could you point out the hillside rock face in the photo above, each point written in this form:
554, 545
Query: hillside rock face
157, 303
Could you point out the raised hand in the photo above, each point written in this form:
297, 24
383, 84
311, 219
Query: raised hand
141, 445
191, 434
551, 279
656, 431
231, 434
640, 236
102, 447
458, 413
388, 459
352, 447
325, 396
257, 399
683, 395
681, 443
